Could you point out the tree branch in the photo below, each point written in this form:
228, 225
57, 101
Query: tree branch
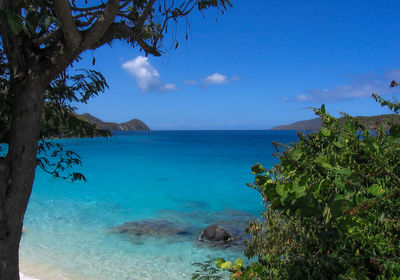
46, 38
171, 13
102, 24
145, 13
77, 9
71, 33
88, 22
123, 32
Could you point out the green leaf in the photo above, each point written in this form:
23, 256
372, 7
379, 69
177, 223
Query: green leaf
296, 154
326, 213
299, 190
325, 132
345, 171
326, 165
226, 265
284, 199
349, 126
350, 188
257, 169
395, 130
339, 183
303, 180
315, 188
337, 205
307, 205
281, 189
219, 262
338, 144
271, 193
376, 190
260, 180
323, 161
276, 203
239, 263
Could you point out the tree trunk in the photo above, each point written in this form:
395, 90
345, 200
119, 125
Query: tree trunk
17, 170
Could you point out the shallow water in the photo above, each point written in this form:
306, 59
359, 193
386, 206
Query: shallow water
189, 178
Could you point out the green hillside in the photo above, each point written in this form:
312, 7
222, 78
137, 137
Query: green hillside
315, 124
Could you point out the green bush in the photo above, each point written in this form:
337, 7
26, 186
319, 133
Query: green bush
333, 205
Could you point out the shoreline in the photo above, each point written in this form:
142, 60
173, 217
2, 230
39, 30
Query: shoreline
24, 277
32, 270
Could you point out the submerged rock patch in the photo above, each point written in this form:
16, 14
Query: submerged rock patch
157, 228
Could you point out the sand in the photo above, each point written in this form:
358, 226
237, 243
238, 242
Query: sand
23, 277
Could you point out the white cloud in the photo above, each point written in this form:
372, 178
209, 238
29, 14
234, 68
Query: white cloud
344, 92
168, 87
216, 79
303, 97
147, 77
190, 82
357, 89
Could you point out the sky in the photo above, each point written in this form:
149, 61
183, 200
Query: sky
261, 64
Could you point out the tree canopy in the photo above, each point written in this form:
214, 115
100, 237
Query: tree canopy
39, 40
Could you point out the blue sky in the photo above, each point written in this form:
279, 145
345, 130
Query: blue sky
259, 65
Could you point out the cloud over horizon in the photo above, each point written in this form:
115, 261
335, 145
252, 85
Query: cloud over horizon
216, 79
147, 77
213, 79
356, 89
168, 87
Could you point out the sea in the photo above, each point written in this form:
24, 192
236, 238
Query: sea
176, 181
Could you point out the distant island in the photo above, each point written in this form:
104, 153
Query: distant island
132, 125
315, 124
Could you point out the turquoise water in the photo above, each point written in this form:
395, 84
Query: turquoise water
189, 178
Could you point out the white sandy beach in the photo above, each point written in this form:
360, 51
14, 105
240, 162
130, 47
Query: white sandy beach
23, 277
38, 271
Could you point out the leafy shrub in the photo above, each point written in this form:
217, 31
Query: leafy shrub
333, 205
207, 270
